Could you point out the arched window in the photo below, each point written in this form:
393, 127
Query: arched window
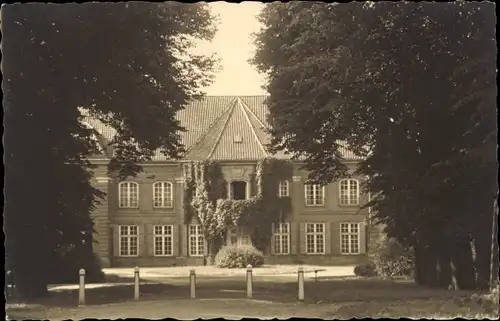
128, 195
163, 196
349, 192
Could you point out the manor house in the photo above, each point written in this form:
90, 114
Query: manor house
141, 222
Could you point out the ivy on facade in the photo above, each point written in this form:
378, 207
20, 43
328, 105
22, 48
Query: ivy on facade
205, 197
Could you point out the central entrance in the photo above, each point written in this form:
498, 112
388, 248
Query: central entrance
238, 237
238, 190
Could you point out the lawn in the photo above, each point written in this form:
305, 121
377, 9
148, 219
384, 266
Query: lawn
274, 295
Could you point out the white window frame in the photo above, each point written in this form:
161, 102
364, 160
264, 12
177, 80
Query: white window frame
283, 189
128, 202
162, 198
356, 236
315, 234
315, 189
199, 241
349, 196
129, 236
164, 234
281, 234
229, 188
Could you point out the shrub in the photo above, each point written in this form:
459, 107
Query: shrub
233, 256
392, 259
365, 269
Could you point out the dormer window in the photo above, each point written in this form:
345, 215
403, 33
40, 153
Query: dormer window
238, 139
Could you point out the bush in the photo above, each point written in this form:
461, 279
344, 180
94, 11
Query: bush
233, 256
392, 259
365, 269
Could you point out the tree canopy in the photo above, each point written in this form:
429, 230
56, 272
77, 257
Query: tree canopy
130, 65
410, 87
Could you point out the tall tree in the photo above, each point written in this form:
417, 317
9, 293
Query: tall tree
128, 65
374, 75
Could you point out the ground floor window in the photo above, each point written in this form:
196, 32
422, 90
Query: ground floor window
163, 240
196, 241
349, 238
281, 238
315, 238
238, 238
128, 240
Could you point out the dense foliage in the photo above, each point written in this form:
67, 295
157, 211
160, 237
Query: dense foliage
219, 215
233, 256
391, 259
128, 65
410, 86
365, 269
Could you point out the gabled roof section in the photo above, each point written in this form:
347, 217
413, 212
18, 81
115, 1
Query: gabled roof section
222, 128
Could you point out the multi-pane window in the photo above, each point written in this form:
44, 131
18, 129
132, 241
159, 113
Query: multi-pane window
281, 238
128, 194
163, 240
315, 238
283, 189
163, 194
349, 192
314, 195
128, 242
349, 238
196, 241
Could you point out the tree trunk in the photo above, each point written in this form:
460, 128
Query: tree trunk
444, 265
463, 265
425, 265
494, 247
482, 261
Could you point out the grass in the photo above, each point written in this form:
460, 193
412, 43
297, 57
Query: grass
339, 298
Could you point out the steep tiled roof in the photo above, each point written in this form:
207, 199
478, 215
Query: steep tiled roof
221, 128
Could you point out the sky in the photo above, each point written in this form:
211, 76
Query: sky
232, 44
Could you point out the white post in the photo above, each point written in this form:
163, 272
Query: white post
249, 281
192, 282
301, 283
81, 293
136, 283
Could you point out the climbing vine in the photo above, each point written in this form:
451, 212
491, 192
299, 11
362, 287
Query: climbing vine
205, 196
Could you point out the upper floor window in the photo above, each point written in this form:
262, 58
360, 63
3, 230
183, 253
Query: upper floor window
128, 195
163, 194
238, 190
283, 189
349, 192
315, 195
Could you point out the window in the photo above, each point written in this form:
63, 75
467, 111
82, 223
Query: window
128, 243
238, 238
314, 195
283, 189
349, 238
281, 238
238, 190
349, 192
163, 195
163, 240
196, 241
315, 238
128, 195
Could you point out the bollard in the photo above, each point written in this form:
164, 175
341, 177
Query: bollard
301, 283
136, 283
81, 293
192, 282
249, 281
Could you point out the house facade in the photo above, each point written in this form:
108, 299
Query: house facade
141, 221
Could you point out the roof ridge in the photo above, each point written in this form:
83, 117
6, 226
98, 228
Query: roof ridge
243, 109
223, 128
202, 136
253, 114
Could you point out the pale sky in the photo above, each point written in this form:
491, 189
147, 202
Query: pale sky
232, 44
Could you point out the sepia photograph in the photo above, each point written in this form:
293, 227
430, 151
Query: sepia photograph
250, 160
